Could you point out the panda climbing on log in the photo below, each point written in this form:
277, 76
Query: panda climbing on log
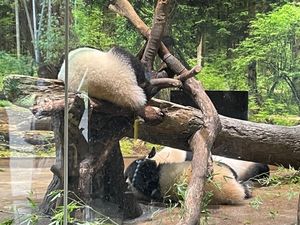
155, 178
115, 76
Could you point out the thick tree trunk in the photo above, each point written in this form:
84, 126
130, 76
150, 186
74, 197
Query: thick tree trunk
272, 144
278, 145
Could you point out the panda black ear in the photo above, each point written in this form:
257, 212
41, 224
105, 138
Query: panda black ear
152, 153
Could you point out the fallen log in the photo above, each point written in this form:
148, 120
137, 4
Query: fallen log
272, 144
277, 145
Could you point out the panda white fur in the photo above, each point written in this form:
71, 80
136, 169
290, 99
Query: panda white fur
149, 179
245, 170
115, 76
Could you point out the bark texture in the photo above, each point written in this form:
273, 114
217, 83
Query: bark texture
259, 142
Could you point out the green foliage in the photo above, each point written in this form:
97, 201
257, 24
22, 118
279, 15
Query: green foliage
7, 26
217, 74
134, 147
45, 151
51, 41
26, 218
9, 64
273, 214
273, 112
126, 146
98, 28
4, 103
271, 35
91, 26
126, 36
75, 203
26, 101
58, 216
211, 78
7, 222
273, 45
284, 120
291, 194
256, 202
181, 188
205, 212
282, 176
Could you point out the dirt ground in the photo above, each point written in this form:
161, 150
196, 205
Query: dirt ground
270, 205
275, 209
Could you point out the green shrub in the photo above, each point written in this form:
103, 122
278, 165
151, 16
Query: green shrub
273, 112
9, 64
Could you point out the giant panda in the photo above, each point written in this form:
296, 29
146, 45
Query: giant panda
152, 178
245, 170
115, 76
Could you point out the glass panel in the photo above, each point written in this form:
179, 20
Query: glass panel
249, 54
28, 32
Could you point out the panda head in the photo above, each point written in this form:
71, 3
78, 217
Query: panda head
142, 178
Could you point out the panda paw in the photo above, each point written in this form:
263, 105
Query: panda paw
152, 115
248, 185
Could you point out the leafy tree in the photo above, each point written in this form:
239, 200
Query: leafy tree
7, 29
274, 45
9, 64
90, 27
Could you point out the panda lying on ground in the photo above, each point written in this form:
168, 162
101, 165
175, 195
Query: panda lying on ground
245, 170
155, 177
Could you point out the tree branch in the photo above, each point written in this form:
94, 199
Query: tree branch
159, 22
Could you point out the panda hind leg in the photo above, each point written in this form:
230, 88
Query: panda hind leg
225, 188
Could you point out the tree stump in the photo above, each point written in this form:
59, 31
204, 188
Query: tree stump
95, 162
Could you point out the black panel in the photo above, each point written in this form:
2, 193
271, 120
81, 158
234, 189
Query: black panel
233, 104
